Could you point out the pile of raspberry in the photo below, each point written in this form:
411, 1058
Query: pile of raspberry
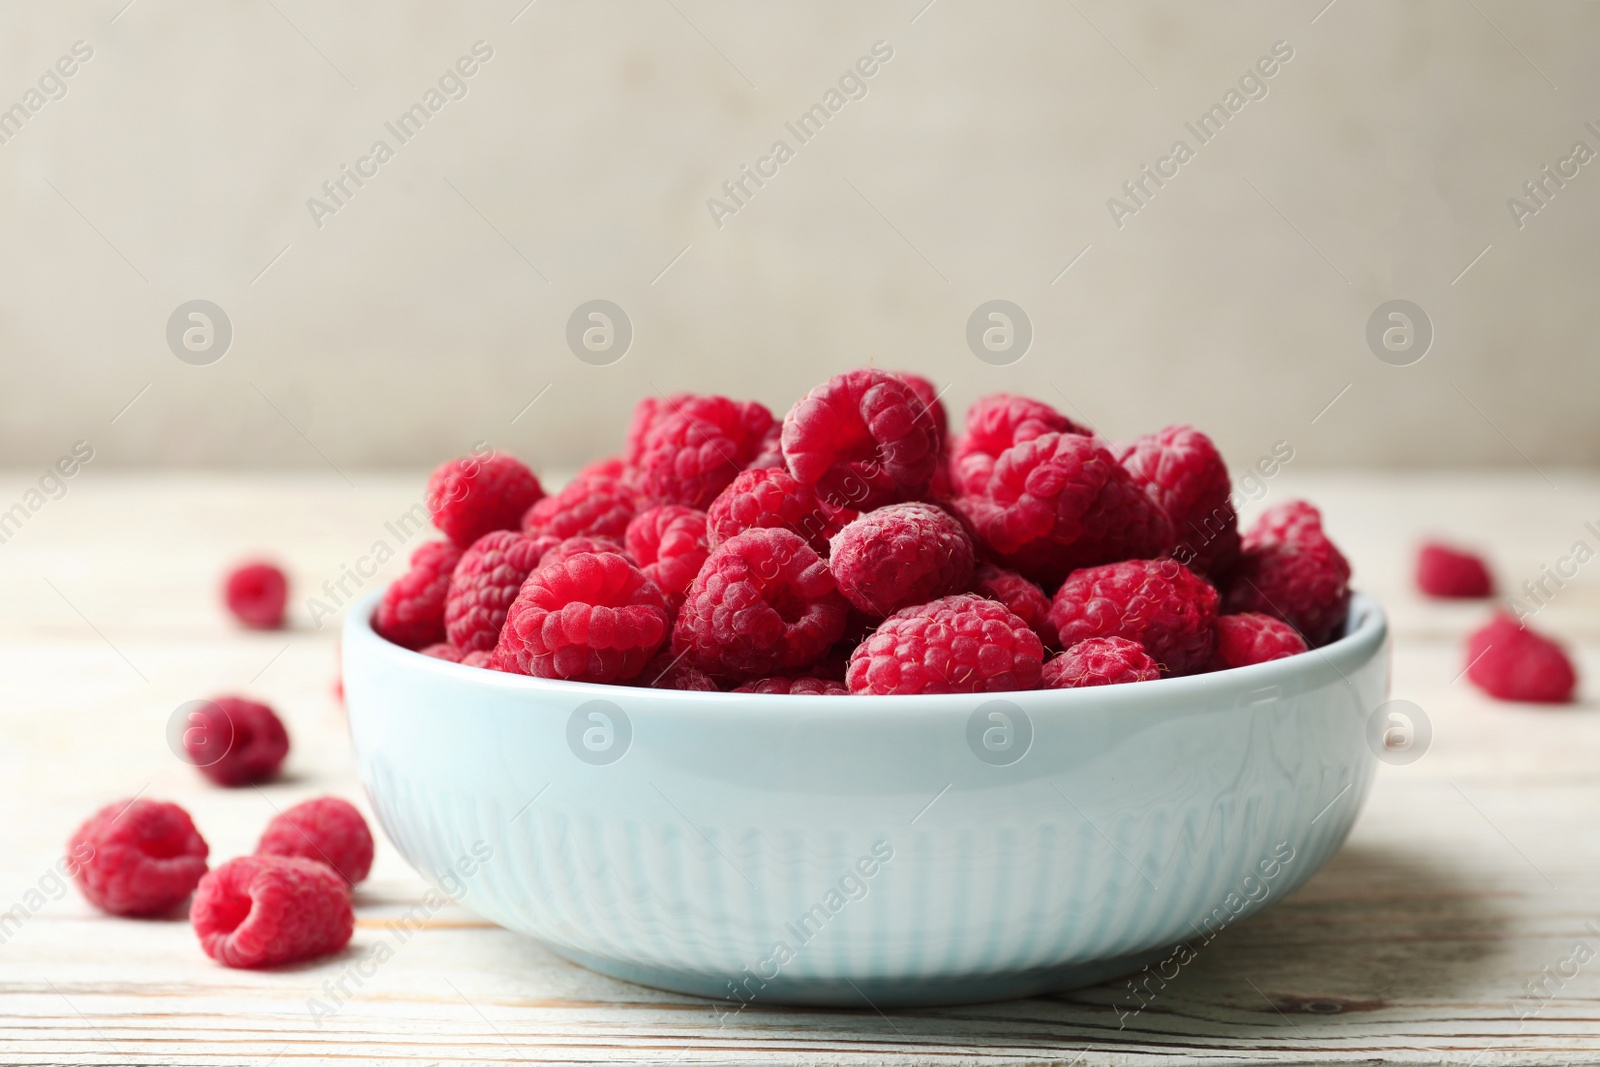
857, 546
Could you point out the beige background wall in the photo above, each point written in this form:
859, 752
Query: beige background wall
432, 307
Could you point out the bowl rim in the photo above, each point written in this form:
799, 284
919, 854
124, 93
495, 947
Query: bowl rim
1365, 633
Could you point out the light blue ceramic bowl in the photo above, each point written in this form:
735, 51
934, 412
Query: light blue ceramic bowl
839, 850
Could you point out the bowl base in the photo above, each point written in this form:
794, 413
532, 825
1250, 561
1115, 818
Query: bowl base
866, 993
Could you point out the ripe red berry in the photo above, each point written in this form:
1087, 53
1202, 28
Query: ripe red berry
995, 423
1185, 475
256, 594
138, 857
260, 911
667, 671
1156, 602
595, 506
483, 585
1059, 502
862, 439
593, 617
1100, 661
763, 603
798, 687
1289, 569
899, 555
234, 741
411, 613
929, 396
326, 830
470, 496
695, 445
1251, 637
443, 650
771, 498
1511, 662
1448, 572
669, 544
1024, 599
958, 644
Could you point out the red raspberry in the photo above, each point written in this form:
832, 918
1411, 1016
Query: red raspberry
1252, 637
234, 741
470, 496
483, 585
995, 423
798, 687
1185, 475
1511, 662
646, 414
900, 555
770, 454
1156, 602
596, 506
667, 671
929, 396
137, 857
771, 498
1025, 600
669, 544
862, 439
1100, 661
959, 644
484, 659
447, 652
592, 618
1443, 571
259, 911
764, 603
573, 546
1291, 571
614, 467
256, 594
696, 445
1059, 502
326, 830
411, 612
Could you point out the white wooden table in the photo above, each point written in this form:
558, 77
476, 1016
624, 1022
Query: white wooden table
1469, 872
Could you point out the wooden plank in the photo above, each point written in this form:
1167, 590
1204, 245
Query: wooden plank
1469, 873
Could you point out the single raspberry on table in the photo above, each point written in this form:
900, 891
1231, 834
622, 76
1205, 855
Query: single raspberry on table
898, 555
667, 671
260, 911
1159, 603
862, 439
137, 857
669, 544
234, 741
694, 447
1100, 661
957, 644
764, 603
411, 613
1024, 599
1185, 475
1451, 573
1059, 502
593, 617
326, 830
595, 506
483, 585
256, 594
995, 423
470, 496
1251, 637
572, 546
771, 498
1289, 569
797, 687
443, 650
1510, 662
